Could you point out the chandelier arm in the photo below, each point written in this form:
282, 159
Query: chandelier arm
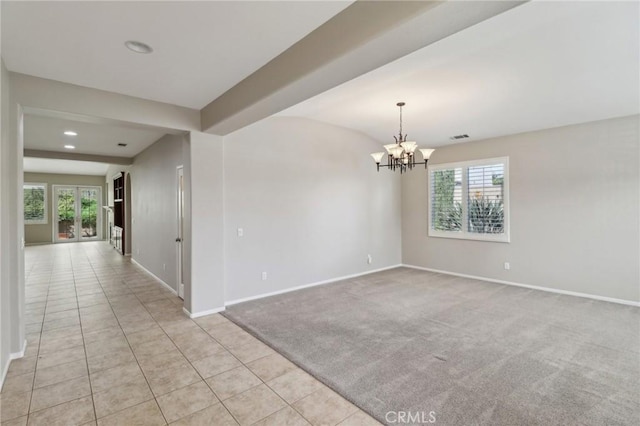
403, 157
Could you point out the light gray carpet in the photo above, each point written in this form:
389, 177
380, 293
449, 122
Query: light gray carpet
471, 351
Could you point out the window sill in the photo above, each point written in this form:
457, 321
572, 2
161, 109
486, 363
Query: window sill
492, 238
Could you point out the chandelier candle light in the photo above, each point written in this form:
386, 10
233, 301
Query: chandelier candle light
401, 155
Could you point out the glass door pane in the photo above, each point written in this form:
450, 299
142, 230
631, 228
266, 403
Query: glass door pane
89, 212
65, 205
78, 213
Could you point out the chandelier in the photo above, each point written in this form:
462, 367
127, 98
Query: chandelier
401, 155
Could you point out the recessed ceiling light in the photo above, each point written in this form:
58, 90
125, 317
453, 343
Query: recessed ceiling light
70, 133
138, 46
69, 147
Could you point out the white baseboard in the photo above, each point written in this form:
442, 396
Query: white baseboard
16, 355
154, 276
203, 313
12, 356
332, 280
533, 287
5, 370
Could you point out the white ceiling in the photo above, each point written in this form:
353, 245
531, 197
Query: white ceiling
47, 133
68, 167
540, 65
201, 49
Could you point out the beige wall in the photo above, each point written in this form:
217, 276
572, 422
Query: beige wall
311, 204
6, 179
154, 207
43, 234
154, 215
204, 250
575, 196
11, 230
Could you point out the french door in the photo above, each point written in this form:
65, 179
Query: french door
77, 212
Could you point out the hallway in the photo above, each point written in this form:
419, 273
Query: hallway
107, 341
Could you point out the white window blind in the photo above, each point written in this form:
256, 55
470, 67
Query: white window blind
35, 203
469, 200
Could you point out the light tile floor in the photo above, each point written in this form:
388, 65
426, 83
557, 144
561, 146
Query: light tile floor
109, 345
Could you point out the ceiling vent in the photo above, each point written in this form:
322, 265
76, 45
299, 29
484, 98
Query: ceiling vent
122, 144
458, 137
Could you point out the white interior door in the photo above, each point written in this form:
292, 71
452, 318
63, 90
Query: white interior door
78, 213
180, 231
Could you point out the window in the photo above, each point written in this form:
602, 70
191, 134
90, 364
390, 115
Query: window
470, 200
35, 203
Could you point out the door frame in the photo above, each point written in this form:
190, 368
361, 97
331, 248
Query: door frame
78, 217
180, 230
127, 247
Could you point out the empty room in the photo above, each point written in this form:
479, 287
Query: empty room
320, 213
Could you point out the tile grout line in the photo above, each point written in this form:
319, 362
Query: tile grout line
38, 354
35, 370
195, 369
59, 364
245, 365
242, 363
182, 353
222, 372
119, 325
132, 351
84, 344
119, 272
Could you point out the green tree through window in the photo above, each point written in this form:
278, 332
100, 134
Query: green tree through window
66, 206
35, 207
447, 205
89, 213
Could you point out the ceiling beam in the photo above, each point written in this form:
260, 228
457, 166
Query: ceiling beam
34, 153
102, 121
36, 95
361, 38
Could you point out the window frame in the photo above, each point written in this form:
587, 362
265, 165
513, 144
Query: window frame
44, 221
464, 234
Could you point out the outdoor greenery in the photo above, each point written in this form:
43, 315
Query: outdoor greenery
67, 210
447, 212
34, 208
485, 215
89, 210
66, 206
497, 179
